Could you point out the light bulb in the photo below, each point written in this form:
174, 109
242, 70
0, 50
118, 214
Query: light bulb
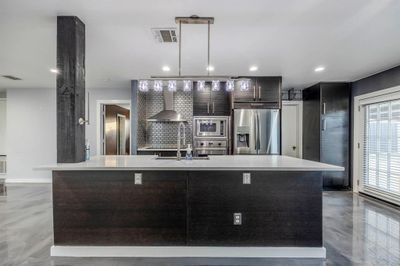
244, 85
143, 85
187, 85
201, 85
172, 85
215, 85
230, 85
158, 85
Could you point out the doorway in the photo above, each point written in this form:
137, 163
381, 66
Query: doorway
292, 127
114, 127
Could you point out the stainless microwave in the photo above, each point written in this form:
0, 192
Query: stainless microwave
211, 126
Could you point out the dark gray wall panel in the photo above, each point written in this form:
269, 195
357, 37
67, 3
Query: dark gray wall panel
383, 80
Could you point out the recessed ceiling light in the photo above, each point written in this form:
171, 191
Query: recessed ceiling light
166, 68
253, 68
319, 69
54, 70
210, 68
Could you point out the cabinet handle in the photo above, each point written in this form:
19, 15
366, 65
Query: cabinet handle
259, 92
208, 107
213, 108
254, 92
323, 108
323, 124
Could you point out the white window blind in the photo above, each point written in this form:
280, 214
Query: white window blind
381, 164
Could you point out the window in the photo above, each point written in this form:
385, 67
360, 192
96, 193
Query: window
381, 160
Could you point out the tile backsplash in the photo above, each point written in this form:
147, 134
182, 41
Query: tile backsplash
162, 133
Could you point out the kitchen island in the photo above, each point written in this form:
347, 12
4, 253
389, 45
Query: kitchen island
227, 206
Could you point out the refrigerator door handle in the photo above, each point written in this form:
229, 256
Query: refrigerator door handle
259, 133
256, 132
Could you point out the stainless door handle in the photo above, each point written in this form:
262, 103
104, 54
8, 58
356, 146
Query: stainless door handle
323, 108
259, 133
256, 132
213, 108
323, 124
208, 107
254, 92
259, 92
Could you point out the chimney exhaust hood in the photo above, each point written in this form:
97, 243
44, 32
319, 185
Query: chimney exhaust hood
168, 114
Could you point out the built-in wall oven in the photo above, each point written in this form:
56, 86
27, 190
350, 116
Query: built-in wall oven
211, 135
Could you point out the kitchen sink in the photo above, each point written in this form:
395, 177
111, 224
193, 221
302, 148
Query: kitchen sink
182, 159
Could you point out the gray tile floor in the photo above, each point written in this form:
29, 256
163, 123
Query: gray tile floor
357, 231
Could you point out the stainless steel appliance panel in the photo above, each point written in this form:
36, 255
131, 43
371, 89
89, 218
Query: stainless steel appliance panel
211, 127
256, 131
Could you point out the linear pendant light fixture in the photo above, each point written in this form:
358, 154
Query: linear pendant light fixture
187, 81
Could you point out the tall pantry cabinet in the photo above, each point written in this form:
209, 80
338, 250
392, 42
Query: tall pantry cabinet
326, 129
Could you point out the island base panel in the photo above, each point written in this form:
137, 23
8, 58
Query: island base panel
187, 208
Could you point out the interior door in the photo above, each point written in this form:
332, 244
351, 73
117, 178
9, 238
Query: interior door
291, 130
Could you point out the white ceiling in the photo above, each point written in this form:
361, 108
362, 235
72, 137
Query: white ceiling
351, 38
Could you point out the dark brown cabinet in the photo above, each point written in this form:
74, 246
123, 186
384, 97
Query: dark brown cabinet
187, 208
211, 103
266, 205
326, 130
108, 208
266, 90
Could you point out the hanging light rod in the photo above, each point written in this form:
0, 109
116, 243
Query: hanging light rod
194, 20
195, 78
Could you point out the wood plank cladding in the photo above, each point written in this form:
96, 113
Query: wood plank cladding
195, 208
70, 89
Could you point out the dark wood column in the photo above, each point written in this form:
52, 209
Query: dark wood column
70, 89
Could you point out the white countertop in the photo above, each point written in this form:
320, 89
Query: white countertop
219, 163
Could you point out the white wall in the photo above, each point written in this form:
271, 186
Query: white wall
32, 130
3, 125
101, 95
31, 133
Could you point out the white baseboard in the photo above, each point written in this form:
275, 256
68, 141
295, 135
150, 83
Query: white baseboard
28, 181
183, 251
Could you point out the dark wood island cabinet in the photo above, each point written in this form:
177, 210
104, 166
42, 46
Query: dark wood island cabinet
197, 207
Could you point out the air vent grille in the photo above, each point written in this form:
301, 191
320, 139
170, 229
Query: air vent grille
10, 77
167, 35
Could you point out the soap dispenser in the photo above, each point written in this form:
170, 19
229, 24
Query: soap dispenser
189, 155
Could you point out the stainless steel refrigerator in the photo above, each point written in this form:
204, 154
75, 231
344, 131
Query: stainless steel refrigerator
256, 131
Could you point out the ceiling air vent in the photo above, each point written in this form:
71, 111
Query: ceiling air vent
11, 77
164, 34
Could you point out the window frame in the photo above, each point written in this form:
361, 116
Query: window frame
360, 102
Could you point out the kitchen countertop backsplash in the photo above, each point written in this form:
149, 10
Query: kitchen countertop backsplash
162, 133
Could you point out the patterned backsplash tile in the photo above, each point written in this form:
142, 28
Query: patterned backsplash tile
162, 133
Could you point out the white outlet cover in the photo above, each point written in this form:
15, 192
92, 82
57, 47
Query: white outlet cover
138, 178
246, 178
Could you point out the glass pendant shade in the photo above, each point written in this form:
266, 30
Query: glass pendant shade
143, 85
244, 85
172, 85
187, 85
201, 85
158, 85
215, 85
230, 85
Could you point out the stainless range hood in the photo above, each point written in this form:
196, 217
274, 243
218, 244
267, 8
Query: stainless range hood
168, 114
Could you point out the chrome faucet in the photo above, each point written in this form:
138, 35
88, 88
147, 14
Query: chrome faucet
181, 126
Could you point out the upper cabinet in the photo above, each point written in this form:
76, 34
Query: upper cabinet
265, 90
212, 103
